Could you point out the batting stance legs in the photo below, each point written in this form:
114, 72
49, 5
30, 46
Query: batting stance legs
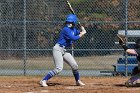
60, 55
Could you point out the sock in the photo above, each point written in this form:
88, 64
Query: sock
76, 75
50, 75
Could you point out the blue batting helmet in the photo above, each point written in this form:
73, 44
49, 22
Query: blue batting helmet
71, 18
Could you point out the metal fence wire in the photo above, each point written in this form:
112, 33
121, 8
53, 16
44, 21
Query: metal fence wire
29, 29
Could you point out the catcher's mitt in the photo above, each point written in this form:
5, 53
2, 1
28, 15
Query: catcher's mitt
122, 39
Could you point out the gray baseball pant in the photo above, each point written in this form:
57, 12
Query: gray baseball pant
60, 55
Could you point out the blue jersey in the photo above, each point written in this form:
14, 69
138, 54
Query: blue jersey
67, 35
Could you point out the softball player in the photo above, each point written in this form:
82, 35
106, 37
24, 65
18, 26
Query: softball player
136, 71
68, 34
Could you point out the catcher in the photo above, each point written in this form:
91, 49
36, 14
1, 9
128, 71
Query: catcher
135, 79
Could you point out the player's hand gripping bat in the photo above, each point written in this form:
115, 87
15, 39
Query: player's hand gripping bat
72, 11
122, 39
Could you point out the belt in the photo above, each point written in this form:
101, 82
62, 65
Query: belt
61, 45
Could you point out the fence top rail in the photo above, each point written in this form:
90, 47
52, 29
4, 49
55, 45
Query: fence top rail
130, 33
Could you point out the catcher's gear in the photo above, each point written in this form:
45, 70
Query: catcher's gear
135, 70
133, 81
137, 43
137, 46
122, 39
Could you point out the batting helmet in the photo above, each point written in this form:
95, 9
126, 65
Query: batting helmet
137, 43
71, 18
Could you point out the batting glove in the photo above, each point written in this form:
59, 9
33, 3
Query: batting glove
83, 30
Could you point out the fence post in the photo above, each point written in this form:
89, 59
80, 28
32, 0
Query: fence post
24, 29
126, 28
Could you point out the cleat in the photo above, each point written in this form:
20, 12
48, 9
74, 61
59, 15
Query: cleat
132, 83
128, 83
43, 83
79, 83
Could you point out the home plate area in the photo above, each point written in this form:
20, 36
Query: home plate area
30, 84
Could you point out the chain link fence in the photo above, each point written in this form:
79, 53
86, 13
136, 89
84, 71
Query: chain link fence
29, 29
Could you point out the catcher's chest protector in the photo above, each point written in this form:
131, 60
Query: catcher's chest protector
138, 51
138, 58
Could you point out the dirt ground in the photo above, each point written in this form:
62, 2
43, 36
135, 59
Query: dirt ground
28, 84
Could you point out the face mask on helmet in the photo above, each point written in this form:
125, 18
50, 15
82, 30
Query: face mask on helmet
137, 43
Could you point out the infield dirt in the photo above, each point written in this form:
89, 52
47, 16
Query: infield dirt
30, 84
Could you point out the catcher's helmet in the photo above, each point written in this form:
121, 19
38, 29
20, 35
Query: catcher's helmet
137, 43
71, 18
